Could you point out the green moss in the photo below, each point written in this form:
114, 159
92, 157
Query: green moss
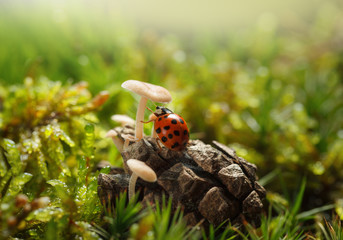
51, 154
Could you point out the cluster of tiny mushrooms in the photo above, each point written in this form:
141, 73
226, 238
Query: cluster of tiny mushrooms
146, 91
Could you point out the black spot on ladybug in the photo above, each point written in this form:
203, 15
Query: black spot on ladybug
185, 132
181, 121
175, 145
185, 144
177, 133
158, 130
166, 116
174, 121
170, 136
164, 139
159, 119
166, 127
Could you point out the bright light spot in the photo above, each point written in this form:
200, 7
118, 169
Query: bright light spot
298, 107
179, 56
340, 133
318, 168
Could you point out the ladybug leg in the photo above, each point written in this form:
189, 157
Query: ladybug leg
159, 145
152, 120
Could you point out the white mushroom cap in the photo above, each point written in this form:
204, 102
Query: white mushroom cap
123, 119
111, 133
142, 170
148, 90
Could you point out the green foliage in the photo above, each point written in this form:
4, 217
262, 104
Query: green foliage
283, 220
228, 233
285, 225
51, 158
167, 225
332, 231
272, 93
120, 218
13, 179
74, 196
128, 220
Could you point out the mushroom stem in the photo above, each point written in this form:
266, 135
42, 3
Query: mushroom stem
132, 185
140, 117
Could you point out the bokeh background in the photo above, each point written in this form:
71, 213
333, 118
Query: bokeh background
264, 77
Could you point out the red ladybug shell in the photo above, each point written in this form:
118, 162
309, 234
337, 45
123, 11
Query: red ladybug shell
171, 129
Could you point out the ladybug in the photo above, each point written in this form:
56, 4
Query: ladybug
171, 129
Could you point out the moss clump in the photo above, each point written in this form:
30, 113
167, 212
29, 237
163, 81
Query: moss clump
47, 150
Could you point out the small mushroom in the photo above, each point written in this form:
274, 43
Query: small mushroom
123, 119
139, 169
117, 142
128, 138
146, 91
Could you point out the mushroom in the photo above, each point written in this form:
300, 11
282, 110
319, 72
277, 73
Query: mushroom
146, 91
123, 119
128, 138
117, 142
139, 169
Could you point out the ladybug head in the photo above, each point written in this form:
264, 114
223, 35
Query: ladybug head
162, 111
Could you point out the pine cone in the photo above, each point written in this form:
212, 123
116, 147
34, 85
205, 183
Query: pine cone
211, 184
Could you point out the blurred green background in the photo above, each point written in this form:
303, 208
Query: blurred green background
265, 78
